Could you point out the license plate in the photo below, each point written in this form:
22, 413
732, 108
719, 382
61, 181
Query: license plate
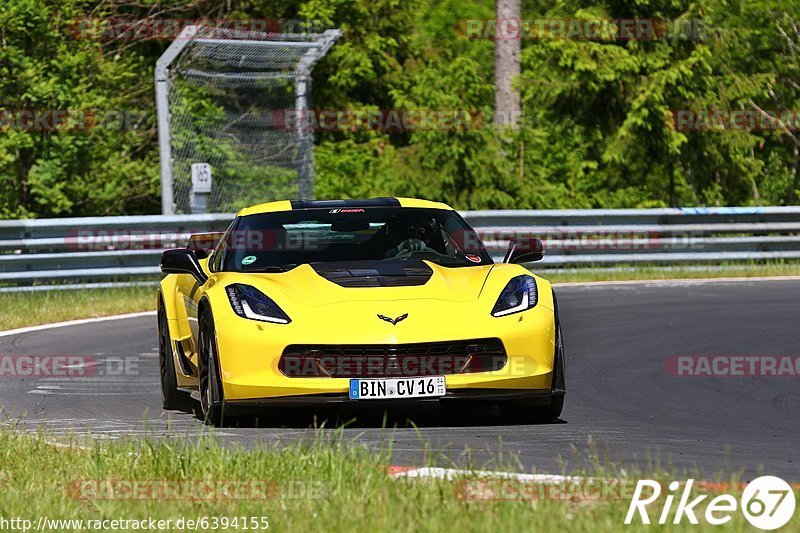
397, 388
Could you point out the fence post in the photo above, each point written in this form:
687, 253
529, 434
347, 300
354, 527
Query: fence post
163, 118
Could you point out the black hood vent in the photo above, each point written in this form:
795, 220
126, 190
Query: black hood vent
375, 273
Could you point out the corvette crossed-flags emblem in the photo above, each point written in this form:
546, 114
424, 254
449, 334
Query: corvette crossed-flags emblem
393, 321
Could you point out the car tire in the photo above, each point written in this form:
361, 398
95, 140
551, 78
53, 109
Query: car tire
172, 399
210, 387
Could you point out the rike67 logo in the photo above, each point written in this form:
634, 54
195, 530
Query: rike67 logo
767, 502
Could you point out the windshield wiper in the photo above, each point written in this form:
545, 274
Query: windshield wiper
451, 261
271, 268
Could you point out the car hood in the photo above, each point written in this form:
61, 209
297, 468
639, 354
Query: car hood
331, 283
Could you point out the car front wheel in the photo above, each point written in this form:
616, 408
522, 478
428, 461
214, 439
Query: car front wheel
211, 397
171, 397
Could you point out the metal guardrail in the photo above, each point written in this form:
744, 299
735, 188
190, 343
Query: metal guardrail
128, 248
668, 236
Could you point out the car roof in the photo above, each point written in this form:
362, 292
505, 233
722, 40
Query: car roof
291, 205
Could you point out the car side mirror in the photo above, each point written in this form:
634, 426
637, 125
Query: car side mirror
204, 243
524, 251
183, 261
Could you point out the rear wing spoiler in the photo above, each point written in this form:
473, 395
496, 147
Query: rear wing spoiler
204, 243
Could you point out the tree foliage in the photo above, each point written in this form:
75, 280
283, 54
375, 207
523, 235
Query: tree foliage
598, 129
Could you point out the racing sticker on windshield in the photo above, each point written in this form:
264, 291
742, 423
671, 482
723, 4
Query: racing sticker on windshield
249, 260
346, 210
474, 258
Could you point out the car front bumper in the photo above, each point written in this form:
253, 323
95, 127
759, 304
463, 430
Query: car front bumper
250, 352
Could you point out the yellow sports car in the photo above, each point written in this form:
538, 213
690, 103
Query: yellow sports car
389, 299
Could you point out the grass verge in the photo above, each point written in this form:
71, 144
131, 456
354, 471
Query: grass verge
629, 273
318, 486
20, 309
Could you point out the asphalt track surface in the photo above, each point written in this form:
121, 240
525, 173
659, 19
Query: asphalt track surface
621, 406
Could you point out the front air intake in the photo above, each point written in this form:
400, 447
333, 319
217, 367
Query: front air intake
393, 360
375, 274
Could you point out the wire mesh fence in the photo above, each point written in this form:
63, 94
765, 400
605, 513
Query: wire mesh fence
229, 97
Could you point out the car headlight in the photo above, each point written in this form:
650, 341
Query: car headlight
249, 302
520, 294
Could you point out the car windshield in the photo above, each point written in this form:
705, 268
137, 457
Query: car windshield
280, 241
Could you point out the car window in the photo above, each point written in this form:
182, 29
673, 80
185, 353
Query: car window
282, 240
